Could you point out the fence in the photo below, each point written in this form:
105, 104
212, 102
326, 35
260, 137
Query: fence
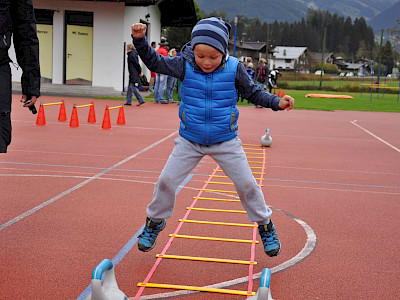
299, 81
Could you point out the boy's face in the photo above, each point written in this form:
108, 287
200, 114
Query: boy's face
207, 58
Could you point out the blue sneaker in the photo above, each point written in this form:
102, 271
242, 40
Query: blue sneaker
272, 245
147, 239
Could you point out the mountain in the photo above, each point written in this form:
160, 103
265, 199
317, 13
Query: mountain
386, 19
294, 10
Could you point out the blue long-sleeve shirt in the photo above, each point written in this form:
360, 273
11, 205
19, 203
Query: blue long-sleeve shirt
175, 67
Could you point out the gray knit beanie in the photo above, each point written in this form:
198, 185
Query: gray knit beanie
213, 32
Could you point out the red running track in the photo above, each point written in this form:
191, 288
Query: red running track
74, 196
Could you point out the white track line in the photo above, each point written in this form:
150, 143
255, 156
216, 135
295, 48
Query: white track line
375, 136
97, 176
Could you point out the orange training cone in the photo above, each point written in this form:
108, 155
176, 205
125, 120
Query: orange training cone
62, 116
280, 93
106, 120
41, 120
74, 117
121, 116
283, 94
92, 115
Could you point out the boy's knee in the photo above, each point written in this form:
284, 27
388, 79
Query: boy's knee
165, 183
249, 188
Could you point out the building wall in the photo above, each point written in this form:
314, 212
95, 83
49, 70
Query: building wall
282, 64
111, 28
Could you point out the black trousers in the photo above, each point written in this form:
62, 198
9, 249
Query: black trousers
5, 107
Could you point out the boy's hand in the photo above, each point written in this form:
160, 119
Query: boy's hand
287, 102
138, 30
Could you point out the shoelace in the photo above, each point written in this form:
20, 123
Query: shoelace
269, 236
150, 232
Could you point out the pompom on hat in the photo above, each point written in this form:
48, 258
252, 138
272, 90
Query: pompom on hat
213, 32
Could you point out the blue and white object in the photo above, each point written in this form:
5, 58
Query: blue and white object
109, 290
266, 139
264, 292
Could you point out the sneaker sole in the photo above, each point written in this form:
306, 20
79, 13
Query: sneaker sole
144, 249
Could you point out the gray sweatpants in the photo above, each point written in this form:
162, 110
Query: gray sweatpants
231, 158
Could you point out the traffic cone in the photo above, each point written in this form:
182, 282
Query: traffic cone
62, 116
74, 117
283, 94
106, 120
121, 116
41, 120
92, 115
280, 93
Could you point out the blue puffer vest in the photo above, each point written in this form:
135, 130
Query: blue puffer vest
208, 110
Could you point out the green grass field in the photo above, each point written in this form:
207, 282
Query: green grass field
388, 103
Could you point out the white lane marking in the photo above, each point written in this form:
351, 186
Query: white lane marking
375, 136
97, 176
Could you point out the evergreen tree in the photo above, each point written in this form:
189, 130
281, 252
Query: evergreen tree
394, 33
387, 56
363, 52
344, 37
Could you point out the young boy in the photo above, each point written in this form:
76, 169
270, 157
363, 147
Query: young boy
208, 125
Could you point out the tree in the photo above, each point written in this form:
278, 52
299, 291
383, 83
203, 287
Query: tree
179, 36
387, 56
363, 50
394, 33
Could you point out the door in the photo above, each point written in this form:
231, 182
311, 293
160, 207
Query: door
44, 20
78, 47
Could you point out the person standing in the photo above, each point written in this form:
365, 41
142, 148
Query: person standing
135, 72
179, 83
261, 74
171, 81
161, 79
17, 20
152, 74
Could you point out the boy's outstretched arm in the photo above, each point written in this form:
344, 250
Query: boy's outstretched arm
257, 95
173, 66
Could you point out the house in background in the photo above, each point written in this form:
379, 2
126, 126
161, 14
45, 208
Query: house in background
255, 50
83, 42
329, 58
291, 58
359, 67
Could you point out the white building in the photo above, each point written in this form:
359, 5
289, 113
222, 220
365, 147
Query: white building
82, 42
289, 58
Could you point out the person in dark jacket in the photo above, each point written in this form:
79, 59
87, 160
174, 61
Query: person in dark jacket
17, 21
135, 72
208, 113
261, 74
